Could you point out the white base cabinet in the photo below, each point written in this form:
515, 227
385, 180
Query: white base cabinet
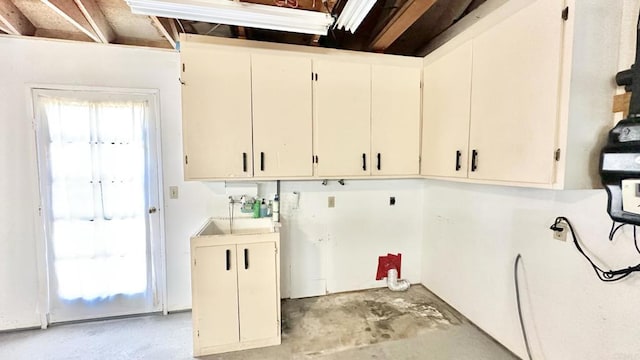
235, 287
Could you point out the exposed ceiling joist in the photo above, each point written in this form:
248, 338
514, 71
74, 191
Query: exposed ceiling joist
411, 11
315, 40
12, 21
70, 12
439, 17
167, 28
99, 23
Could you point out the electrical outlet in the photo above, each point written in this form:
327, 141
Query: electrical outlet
331, 201
561, 235
173, 192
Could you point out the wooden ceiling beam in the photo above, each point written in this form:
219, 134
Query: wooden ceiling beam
13, 21
97, 20
167, 28
71, 12
408, 14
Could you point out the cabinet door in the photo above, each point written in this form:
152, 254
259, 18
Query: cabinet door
514, 104
215, 296
343, 118
282, 116
257, 295
216, 108
445, 119
395, 120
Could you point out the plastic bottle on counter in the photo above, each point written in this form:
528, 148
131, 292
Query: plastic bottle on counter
256, 208
275, 209
263, 209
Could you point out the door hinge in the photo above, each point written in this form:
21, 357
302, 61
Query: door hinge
186, 159
557, 155
565, 13
183, 67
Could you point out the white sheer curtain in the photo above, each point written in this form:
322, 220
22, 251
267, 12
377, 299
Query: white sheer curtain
98, 232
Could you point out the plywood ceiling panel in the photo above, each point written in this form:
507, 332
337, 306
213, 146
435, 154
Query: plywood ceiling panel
128, 25
42, 17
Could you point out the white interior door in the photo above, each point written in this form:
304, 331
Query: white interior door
99, 190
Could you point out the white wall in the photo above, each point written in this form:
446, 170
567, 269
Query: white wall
361, 227
474, 232
336, 249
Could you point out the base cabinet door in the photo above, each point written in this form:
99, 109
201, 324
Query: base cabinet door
258, 306
236, 292
214, 280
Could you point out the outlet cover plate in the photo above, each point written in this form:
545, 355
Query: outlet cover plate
561, 235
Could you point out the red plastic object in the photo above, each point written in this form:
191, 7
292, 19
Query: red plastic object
386, 263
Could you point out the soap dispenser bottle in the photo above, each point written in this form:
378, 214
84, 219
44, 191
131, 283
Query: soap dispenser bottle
275, 209
263, 209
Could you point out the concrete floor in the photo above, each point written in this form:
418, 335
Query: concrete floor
372, 324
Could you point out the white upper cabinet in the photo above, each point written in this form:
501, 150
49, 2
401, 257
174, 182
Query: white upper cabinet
446, 114
216, 111
342, 102
280, 111
538, 76
282, 116
395, 120
515, 96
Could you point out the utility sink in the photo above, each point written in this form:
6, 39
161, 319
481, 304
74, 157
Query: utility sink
239, 226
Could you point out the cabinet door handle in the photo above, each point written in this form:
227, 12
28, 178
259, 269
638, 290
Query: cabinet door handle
228, 259
379, 160
246, 259
244, 161
364, 162
474, 160
261, 161
458, 155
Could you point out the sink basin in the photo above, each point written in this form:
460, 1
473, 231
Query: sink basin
239, 226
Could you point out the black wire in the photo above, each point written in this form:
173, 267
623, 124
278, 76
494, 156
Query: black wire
613, 231
635, 239
606, 276
524, 331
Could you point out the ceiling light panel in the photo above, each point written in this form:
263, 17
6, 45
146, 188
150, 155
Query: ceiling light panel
353, 14
237, 13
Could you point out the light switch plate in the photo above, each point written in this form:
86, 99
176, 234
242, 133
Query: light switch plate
173, 192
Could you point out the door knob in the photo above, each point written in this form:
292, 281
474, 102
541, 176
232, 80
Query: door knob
152, 210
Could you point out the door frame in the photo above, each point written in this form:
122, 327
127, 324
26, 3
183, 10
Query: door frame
158, 252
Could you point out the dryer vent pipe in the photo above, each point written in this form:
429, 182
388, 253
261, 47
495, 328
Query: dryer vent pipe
394, 284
